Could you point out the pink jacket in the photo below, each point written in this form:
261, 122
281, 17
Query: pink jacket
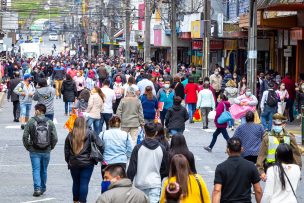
219, 111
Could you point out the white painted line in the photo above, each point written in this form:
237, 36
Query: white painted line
13, 127
209, 130
197, 158
40, 200
186, 130
208, 169
55, 121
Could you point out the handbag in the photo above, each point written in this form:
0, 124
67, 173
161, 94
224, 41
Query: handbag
96, 153
224, 117
290, 185
200, 188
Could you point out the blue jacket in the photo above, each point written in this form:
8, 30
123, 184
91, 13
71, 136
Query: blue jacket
149, 106
166, 98
58, 73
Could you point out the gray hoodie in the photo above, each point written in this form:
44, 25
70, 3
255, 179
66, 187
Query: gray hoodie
27, 90
45, 95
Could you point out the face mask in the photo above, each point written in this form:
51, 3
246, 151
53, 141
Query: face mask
207, 82
277, 128
167, 86
243, 81
156, 71
118, 80
302, 86
105, 186
248, 94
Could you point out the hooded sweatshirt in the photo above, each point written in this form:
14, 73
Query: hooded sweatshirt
176, 117
153, 160
45, 95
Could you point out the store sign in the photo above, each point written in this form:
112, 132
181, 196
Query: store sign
288, 52
214, 44
157, 38
197, 29
230, 44
296, 34
197, 45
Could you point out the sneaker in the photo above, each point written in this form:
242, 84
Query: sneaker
16, 120
43, 191
22, 126
208, 149
37, 193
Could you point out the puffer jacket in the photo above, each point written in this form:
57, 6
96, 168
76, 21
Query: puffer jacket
231, 93
176, 117
83, 158
69, 91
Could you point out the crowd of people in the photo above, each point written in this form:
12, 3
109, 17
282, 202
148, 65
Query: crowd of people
131, 118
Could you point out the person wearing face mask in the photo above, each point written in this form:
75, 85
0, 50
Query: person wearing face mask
290, 87
215, 82
271, 141
242, 86
116, 187
283, 97
227, 77
195, 75
79, 81
165, 95
156, 72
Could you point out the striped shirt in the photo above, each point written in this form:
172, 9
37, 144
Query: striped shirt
251, 135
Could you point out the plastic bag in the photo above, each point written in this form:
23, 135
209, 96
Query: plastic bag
281, 107
197, 117
69, 124
211, 115
140, 136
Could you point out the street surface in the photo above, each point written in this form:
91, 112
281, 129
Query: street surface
15, 166
47, 46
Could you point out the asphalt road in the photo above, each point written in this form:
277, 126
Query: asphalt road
47, 46
15, 167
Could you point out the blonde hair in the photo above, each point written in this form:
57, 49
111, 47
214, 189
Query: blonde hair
231, 83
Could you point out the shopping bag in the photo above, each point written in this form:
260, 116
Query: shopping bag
69, 124
140, 136
281, 107
256, 118
157, 119
211, 115
197, 117
224, 117
161, 106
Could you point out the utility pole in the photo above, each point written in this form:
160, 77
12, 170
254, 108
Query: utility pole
206, 42
173, 38
127, 29
89, 35
100, 37
147, 43
111, 47
252, 47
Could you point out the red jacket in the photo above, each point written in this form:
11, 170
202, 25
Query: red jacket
219, 111
290, 87
191, 90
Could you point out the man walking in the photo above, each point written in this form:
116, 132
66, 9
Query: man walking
235, 176
110, 98
39, 138
58, 76
15, 97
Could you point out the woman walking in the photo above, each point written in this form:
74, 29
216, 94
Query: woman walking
80, 82
231, 92
192, 186
220, 128
94, 109
69, 92
77, 150
82, 102
282, 178
283, 96
191, 91
119, 91
242, 86
205, 103
149, 104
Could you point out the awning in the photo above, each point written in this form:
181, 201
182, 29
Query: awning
280, 5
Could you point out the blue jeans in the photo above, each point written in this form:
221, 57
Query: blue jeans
95, 122
68, 107
50, 116
191, 110
81, 178
25, 110
153, 194
216, 133
266, 115
231, 123
175, 131
105, 118
40, 162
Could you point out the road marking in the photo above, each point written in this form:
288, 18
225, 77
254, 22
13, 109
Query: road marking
208, 169
209, 130
40, 200
55, 121
12, 127
197, 158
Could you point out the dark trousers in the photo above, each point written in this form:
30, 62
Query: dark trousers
16, 109
289, 105
216, 133
105, 118
115, 105
163, 115
253, 159
81, 178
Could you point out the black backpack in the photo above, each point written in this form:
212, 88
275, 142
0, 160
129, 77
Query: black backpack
272, 99
42, 137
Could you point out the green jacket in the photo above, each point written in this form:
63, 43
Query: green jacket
30, 130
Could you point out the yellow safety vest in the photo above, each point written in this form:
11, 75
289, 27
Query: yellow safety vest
273, 144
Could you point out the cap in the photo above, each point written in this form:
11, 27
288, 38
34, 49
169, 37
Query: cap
278, 119
27, 76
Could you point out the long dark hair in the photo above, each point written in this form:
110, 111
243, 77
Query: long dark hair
178, 145
283, 155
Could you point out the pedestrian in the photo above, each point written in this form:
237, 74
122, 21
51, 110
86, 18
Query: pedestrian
77, 149
147, 177
283, 97
95, 107
205, 103
117, 144
82, 102
119, 91
268, 106
131, 114
130, 83
251, 135
178, 87
25, 90
69, 92
282, 178
149, 104
191, 91
220, 128
109, 100
192, 186
165, 96
290, 87
242, 86
39, 143
227, 77
231, 93
79, 81
118, 188
271, 141
58, 77
300, 98
142, 84
178, 145
176, 117
15, 97
72, 72
45, 95
215, 82
194, 74
235, 177
102, 74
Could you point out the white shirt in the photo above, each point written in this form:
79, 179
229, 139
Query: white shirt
273, 192
110, 97
143, 84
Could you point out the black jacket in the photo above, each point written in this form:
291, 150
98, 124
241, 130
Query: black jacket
83, 158
179, 90
13, 83
176, 117
69, 91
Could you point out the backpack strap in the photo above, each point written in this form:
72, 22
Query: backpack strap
200, 187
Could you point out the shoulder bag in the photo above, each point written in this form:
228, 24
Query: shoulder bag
95, 154
224, 117
290, 185
200, 187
